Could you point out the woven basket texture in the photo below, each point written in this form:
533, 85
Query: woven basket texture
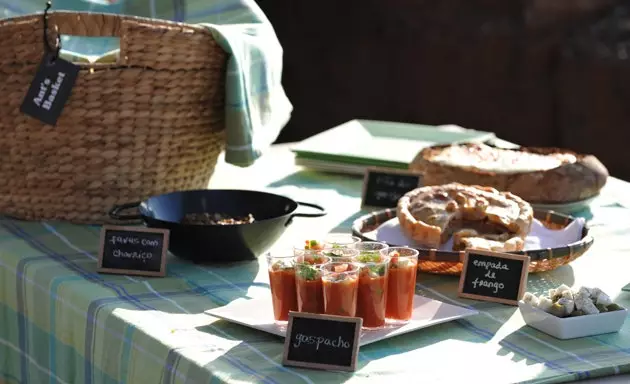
150, 123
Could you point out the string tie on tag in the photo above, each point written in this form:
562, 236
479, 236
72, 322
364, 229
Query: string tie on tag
53, 51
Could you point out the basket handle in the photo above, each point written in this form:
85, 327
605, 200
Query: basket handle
86, 24
89, 25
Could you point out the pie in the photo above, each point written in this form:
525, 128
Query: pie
476, 217
538, 175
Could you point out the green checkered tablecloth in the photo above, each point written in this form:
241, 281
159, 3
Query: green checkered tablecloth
61, 322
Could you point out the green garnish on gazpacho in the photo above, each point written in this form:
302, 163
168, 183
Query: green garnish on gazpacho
313, 245
308, 272
369, 257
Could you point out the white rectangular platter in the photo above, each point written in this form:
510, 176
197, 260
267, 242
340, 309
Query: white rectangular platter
258, 314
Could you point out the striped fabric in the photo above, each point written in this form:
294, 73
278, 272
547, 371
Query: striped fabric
60, 322
257, 107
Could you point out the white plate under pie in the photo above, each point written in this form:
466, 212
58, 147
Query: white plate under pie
258, 314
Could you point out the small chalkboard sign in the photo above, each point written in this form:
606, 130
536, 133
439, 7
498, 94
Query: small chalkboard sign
494, 276
383, 187
50, 89
133, 251
322, 341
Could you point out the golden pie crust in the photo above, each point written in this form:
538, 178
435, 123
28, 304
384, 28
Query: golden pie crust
538, 175
477, 217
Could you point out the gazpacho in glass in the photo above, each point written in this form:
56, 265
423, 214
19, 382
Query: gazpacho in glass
403, 268
308, 282
282, 282
372, 295
341, 285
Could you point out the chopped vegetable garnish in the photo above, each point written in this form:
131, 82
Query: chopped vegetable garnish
369, 257
313, 245
373, 271
396, 262
394, 255
338, 277
315, 259
334, 253
378, 270
307, 272
280, 265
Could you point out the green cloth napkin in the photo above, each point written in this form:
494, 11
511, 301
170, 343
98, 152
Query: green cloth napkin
256, 106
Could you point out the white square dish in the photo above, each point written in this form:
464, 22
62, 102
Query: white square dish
257, 314
572, 327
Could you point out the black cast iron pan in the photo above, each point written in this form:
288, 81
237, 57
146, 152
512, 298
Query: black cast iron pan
211, 243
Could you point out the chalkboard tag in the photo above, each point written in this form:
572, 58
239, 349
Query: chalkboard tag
50, 89
382, 187
322, 341
494, 276
133, 251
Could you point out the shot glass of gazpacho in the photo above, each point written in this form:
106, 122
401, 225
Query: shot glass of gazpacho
340, 240
308, 282
373, 285
340, 281
281, 267
403, 267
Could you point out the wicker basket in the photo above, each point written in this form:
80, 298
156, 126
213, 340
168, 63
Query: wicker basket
450, 262
150, 123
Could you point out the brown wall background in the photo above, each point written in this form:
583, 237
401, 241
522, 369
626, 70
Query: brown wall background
535, 72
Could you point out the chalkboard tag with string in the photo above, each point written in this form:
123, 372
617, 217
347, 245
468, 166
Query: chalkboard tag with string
53, 82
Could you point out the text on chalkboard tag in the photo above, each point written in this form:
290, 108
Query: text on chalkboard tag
494, 276
382, 187
322, 341
50, 89
133, 251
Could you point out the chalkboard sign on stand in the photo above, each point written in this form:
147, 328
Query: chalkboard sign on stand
133, 251
494, 276
322, 341
383, 187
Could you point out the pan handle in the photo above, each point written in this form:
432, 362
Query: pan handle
318, 214
115, 212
